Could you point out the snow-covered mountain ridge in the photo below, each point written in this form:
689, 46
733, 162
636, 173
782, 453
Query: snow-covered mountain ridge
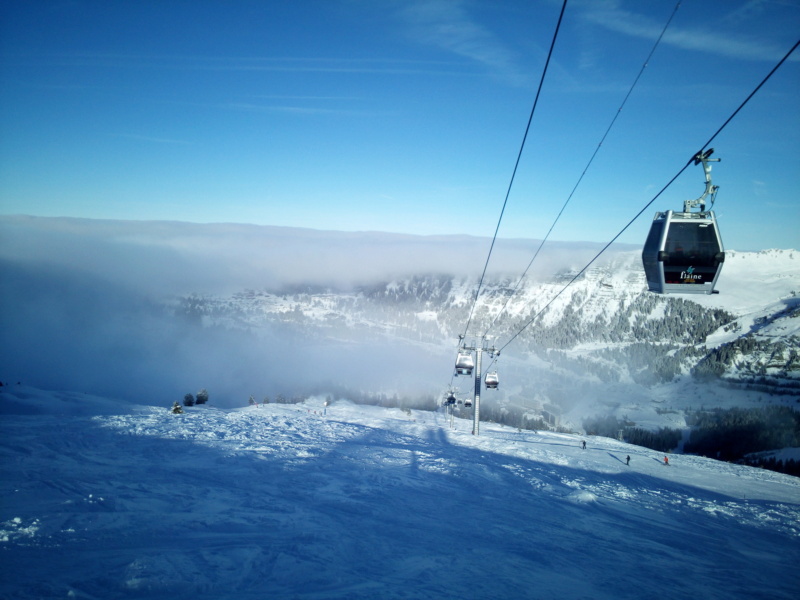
604, 326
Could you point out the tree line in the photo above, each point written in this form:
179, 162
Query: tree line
731, 434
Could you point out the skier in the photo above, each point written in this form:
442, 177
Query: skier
584, 444
666, 461
628, 460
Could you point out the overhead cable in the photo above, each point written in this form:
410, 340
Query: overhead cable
646, 206
580, 179
516, 165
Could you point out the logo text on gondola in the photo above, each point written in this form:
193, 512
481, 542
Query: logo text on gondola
690, 274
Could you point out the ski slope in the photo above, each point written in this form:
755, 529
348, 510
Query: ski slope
102, 499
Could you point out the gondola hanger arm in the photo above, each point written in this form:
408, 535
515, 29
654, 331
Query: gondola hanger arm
711, 190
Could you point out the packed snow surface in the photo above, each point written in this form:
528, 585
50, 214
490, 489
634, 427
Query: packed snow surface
102, 499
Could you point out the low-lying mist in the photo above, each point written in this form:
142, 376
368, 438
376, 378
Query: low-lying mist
160, 258
84, 306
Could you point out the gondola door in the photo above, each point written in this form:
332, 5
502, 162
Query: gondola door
683, 253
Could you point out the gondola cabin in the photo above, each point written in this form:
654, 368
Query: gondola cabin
451, 399
491, 380
683, 253
464, 363
467, 403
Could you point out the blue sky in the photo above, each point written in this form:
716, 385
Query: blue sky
401, 116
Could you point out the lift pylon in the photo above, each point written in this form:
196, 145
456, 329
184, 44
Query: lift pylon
478, 349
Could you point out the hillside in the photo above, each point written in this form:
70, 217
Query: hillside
614, 342
105, 499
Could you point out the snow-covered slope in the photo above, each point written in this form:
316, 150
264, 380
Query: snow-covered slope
355, 502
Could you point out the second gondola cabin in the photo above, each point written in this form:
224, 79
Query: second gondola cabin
491, 380
464, 363
683, 253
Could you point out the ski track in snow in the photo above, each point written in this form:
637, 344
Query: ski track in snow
280, 501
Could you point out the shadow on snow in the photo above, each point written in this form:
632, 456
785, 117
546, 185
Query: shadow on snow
380, 513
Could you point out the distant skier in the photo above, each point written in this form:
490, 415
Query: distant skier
584, 444
666, 461
628, 460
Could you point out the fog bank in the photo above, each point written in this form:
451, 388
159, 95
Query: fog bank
83, 305
162, 258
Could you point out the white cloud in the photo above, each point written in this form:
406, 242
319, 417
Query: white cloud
705, 38
447, 24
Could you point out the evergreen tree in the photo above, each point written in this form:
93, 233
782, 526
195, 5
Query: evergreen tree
202, 396
188, 400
